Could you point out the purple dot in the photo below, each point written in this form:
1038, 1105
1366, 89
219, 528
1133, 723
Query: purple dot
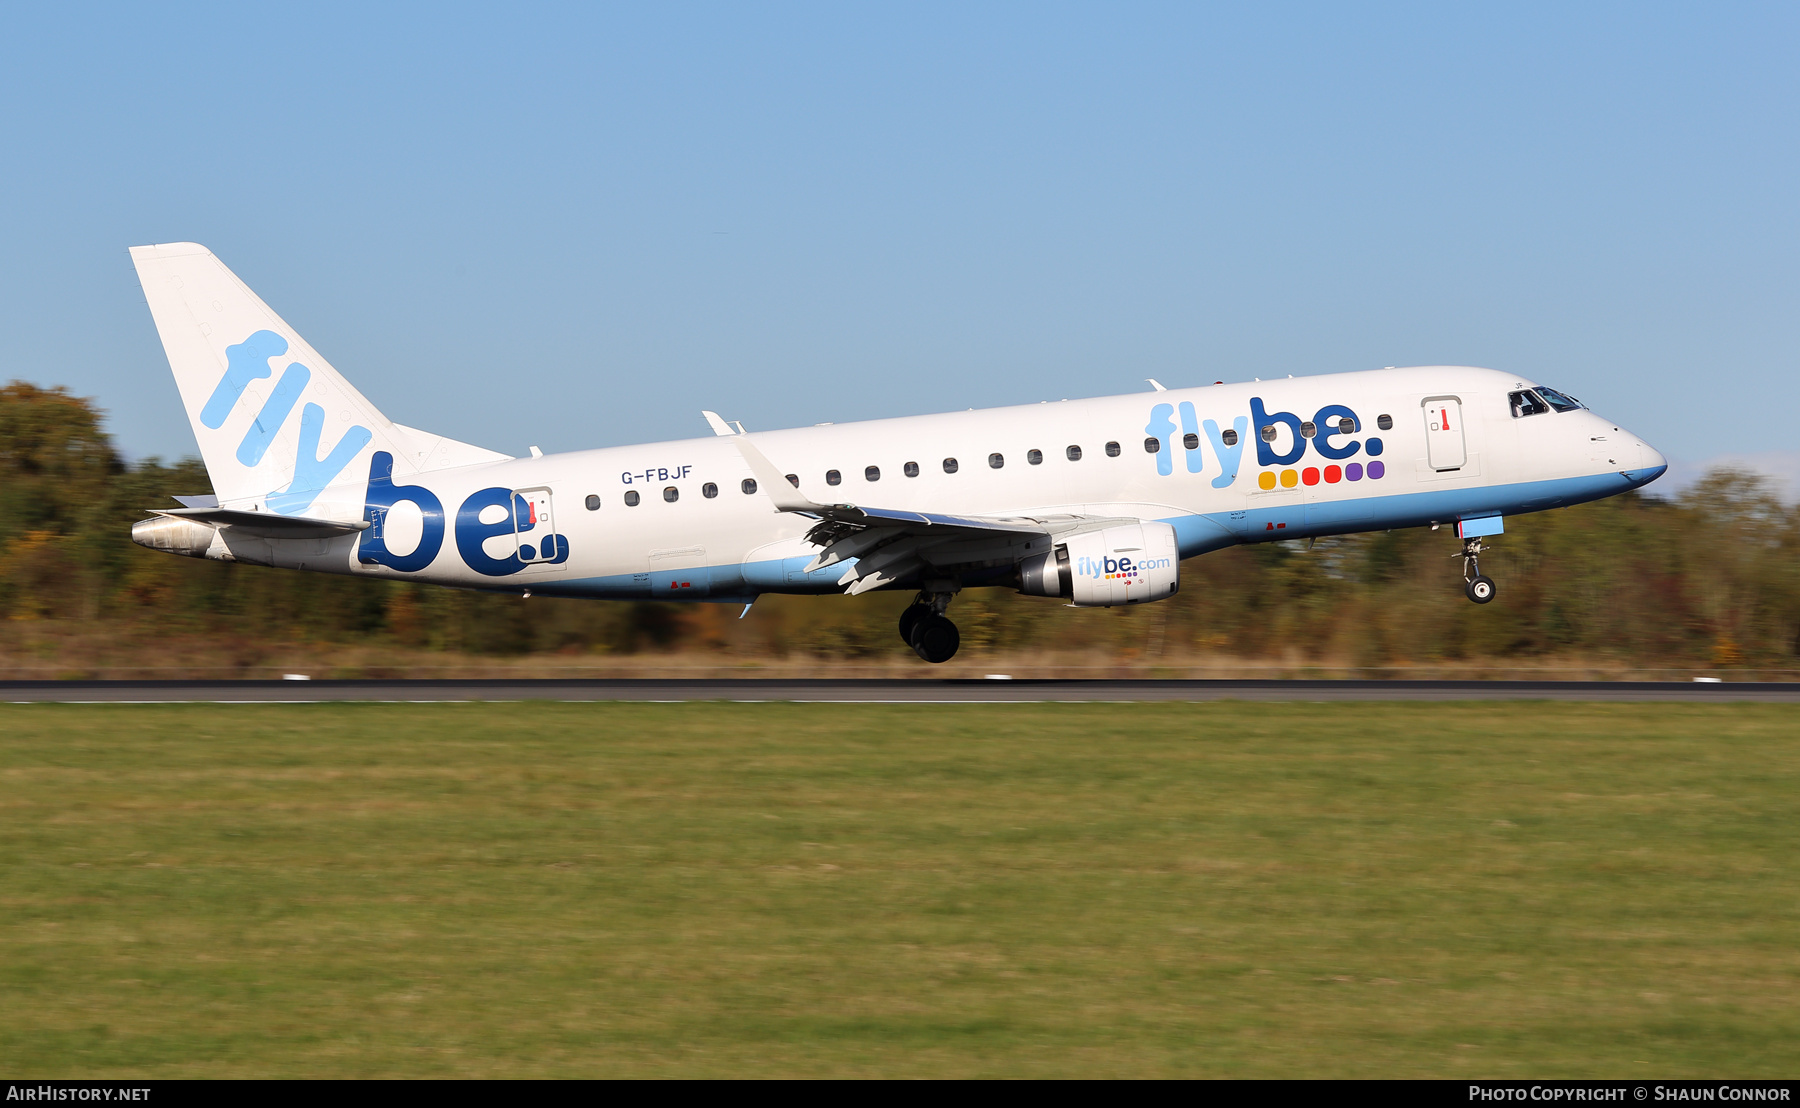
1353, 471
1377, 471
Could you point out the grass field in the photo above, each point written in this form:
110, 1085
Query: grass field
639, 890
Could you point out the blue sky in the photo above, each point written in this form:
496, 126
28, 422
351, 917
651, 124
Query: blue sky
577, 226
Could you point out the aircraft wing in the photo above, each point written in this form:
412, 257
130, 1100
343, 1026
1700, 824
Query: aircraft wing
890, 544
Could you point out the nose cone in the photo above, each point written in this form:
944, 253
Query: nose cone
1650, 465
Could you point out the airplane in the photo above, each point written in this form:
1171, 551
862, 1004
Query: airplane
1096, 502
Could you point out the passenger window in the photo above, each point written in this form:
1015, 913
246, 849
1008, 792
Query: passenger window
1112, 450
995, 461
1229, 438
749, 486
1034, 457
949, 465
911, 469
794, 479
671, 494
1385, 422
1308, 429
631, 499
1346, 426
1526, 403
1268, 433
1074, 453
833, 477
709, 490
872, 473
593, 503
1191, 441
1152, 445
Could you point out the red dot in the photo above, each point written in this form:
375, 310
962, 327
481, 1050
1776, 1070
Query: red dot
1310, 476
1333, 475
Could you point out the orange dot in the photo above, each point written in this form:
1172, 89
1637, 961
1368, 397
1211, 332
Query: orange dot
1266, 479
1289, 478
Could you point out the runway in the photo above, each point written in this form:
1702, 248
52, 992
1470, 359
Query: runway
840, 691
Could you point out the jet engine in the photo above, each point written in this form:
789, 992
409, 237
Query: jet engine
1127, 564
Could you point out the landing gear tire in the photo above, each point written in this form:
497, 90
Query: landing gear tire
1479, 587
909, 619
935, 639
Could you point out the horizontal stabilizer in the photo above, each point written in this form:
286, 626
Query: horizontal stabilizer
268, 524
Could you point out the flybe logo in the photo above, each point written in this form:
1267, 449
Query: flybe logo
249, 361
1329, 433
485, 514
1121, 568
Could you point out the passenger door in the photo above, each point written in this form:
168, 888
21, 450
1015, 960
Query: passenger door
534, 526
1444, 432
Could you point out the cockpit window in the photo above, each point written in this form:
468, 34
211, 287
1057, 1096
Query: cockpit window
1561, 401
1526, 403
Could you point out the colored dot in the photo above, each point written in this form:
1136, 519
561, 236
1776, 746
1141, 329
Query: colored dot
1373, 446
1310, 475
1376, 471
1333, 475
1353, 471
1266, 479
1289, 478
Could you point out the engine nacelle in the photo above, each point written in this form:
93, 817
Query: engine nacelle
1128, 564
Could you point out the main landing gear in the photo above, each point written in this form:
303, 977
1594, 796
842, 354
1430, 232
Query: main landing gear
1480, 589
924, 628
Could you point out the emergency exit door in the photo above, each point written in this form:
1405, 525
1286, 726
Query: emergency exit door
534, 526
1444, 433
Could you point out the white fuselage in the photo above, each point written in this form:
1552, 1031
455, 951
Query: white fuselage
1452, 449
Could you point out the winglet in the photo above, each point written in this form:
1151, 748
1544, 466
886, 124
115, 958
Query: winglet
719, 426
787, 498
1157, 385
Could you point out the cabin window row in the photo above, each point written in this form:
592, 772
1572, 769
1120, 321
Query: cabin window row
1309, 429
952, 465
1190, 441
671, 493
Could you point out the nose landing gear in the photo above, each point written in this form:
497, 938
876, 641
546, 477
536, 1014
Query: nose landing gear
924, 627
1479, 588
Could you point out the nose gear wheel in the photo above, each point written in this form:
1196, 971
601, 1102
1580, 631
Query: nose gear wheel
1479, 588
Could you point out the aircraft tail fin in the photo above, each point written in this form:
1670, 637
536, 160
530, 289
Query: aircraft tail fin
277, 425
